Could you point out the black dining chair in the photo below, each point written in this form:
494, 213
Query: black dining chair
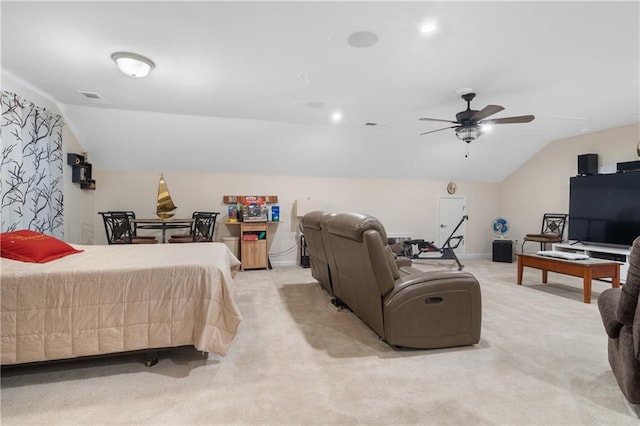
187, 234
118, 229
552, 230
202, 229
134, 228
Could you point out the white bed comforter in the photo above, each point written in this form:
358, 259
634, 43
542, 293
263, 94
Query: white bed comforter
119, 298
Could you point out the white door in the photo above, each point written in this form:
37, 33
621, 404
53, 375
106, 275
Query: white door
451, 211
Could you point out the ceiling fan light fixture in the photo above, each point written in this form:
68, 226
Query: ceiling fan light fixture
133, 64
486, 128
468, 133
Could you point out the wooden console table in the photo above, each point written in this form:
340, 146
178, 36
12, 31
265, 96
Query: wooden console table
254, 252
587, 269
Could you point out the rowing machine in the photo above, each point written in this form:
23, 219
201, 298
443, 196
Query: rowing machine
446, 251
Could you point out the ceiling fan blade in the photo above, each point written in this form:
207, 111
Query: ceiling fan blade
437, 119
508, 120
433, 131
486, 112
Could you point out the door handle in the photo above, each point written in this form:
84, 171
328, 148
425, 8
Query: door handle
442, 225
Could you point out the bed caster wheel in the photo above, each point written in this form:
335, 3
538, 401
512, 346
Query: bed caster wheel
151, 362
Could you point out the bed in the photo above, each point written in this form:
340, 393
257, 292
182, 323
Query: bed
118, 298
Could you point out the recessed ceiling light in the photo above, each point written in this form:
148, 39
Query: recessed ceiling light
336, 117
429, 27
362, 39
132, 64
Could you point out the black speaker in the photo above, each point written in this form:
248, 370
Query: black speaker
502, 251
304, 256
588, 164
629, 166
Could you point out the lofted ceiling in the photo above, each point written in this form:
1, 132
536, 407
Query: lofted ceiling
250, 87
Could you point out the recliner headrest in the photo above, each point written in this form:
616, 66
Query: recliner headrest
354, 225
311, 220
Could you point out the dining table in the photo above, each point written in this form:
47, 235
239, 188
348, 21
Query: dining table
163, 224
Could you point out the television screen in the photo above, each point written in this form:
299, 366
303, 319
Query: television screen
605, 209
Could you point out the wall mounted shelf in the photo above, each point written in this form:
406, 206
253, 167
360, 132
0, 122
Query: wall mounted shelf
81, 171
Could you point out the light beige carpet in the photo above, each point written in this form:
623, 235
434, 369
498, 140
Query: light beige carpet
542, 360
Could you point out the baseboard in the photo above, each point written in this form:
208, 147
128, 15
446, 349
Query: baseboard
285, 263
475, 256
460, 256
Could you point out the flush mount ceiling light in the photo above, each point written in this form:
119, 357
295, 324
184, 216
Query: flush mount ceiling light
132, 64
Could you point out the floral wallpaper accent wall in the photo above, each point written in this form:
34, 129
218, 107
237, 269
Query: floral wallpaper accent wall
31, 170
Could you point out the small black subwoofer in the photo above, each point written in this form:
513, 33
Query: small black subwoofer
502, 251
588, 164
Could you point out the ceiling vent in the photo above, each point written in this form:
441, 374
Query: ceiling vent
92, 95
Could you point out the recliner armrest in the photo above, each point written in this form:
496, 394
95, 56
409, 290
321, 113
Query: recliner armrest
463, 279
608, 305
433, 309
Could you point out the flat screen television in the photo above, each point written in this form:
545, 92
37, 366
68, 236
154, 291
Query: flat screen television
605, 209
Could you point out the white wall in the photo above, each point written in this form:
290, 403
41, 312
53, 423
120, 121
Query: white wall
403, 206
541, 185
78, 204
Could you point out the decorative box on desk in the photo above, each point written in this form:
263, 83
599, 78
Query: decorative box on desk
254, 210
502, 250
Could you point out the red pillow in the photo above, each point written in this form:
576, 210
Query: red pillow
31, 246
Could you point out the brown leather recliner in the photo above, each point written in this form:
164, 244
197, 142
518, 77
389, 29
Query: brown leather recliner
310, 224
620, 311
407, 307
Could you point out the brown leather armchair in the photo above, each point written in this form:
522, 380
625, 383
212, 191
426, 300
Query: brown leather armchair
620, 311
310, 225
404, 306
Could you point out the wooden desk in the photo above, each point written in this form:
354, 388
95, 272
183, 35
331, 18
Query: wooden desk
254, 252
164, 224
587, 269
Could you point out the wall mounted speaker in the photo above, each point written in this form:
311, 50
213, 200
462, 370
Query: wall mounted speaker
628, 166
588, 164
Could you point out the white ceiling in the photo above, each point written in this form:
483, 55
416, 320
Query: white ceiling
233, 79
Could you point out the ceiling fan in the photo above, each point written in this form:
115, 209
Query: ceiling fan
468, 123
